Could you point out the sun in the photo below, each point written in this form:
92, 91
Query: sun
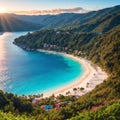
3, 10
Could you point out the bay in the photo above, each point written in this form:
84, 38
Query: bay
26, 72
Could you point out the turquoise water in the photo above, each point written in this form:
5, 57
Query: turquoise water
25, 72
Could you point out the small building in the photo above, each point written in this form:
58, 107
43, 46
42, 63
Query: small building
48, 107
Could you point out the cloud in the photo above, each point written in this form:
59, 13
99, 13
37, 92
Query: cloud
52, 11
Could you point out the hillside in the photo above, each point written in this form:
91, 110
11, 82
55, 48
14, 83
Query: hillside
105, 50
72, 41
103, 24
9, 23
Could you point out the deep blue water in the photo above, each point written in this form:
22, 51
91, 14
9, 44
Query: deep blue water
24, 72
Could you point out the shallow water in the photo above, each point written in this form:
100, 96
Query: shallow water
24, 72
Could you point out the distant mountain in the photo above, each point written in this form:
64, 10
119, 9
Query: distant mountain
50, 21
9, 23
68, 20
12, 22
88, 17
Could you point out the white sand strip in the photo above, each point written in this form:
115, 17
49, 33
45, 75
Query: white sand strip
93, 76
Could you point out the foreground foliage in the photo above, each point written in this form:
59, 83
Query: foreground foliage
110, 112
11, 116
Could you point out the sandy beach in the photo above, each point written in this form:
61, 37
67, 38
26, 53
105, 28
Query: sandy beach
92, 76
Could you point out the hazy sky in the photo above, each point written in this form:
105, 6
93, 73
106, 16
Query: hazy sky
13, 5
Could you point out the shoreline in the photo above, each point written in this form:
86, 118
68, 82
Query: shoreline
92, 76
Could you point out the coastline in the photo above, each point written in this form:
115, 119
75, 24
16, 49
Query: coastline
92, 76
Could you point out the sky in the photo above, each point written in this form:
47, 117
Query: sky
26, 5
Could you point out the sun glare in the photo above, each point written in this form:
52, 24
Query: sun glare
3, 10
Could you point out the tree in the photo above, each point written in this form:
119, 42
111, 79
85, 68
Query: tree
81, 89
87, 84
75, 90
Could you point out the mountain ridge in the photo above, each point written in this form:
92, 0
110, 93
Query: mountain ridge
62, 21
69, 19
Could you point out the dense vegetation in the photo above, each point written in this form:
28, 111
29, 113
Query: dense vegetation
62, 39
105, 51
103, 24
103, 48
111, 112
107, 113
11, 116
